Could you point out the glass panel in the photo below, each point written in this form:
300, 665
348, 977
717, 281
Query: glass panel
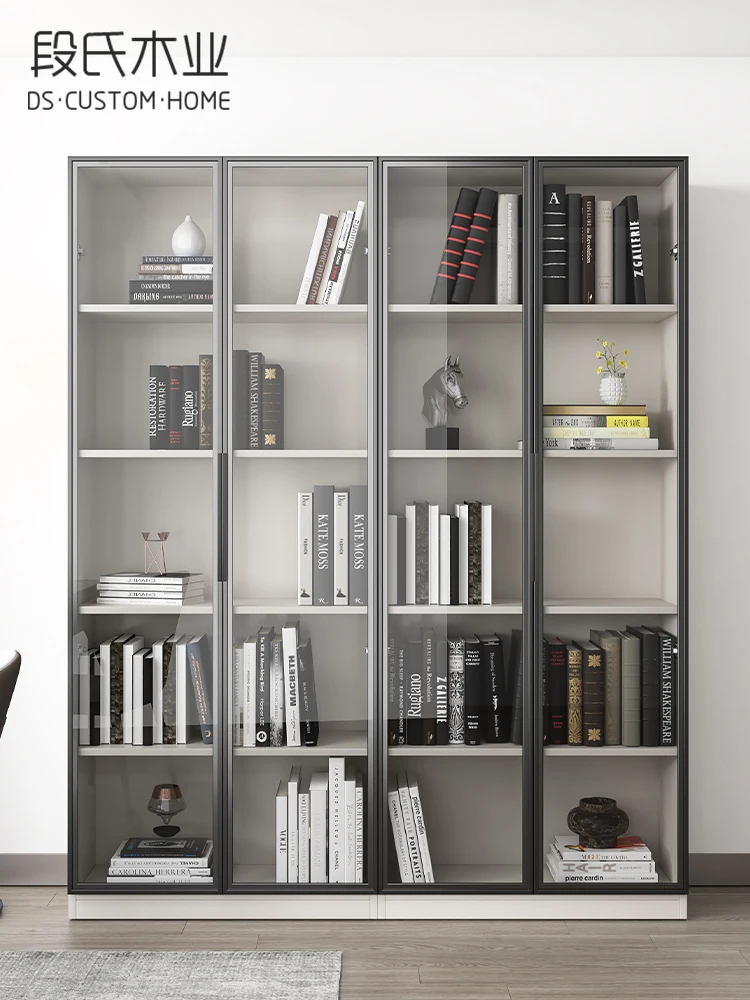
453, 691
143, 644
610, 471
300, 676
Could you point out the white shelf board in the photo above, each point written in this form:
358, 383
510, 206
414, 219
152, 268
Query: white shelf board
140, 313
485, 750
288, 606
608, 606
608, 314
478, 313
92, 608
498, 608
161, 750
605, 751
629, 453
331, 742
456, 453
252, 313
302, 453
474, 874
145, 453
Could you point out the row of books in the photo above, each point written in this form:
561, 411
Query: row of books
173, 280
461, 690
592, 252
320, 825
273, 690
629, 861
481, 220
409, 830
180, 405
332, 546
330, 257
177, 861
130, 693
170, 590
596, 427
258, 405
436, 558
619, 688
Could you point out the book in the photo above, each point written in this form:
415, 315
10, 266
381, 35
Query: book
309, 722
143, 695
493, 680
304, 548
168, 694
473, 693
592, 866
620, 254
650, 685
574, 660
292, 825
322, 542
183, 728
410, 553
172, 284
420, 828
396, 691
330, 256
312, 259
396, 559
303, 826
157, 698
557, 676
240, 399
206, 401
276, 694
668, 685
89, 694
320, 265
156, 296
444, 559
160, 269
586, 409
290, 642
554, 244
593, 693
319, 827
272, 406
441, 690
433, 555
629, 848
597, 876
256, 365
340, 547
192, 851
358, 561
636, 277
262, 686
336, 820
599, 444
395, 813
422, 553
129, 648
110, 656
575, 248
630, 670
516, 683
238, 675
508, 223
475, 551
176, 259
160, 875
597, 432
282, 833
175, 578
359, 830
429, 706
190, 406
158, 417
414, 692
337, 260
350, 824
610, 644
603, 262
153, 590
452, 254
477, 241
485, 571
456, 691
174, 418
410, 829
588, 249
341, 279
164, 601
199, 659
594, 420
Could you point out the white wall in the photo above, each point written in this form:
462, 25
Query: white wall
522, 106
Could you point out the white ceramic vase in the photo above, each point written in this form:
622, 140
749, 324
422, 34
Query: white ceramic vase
613, 389
188, 240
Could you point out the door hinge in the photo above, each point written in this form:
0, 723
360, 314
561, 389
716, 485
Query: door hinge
81, 251
674, 252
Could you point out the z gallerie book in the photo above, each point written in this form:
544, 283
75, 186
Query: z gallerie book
477, 241
456, 691
272, 406
554, 244
441, 690
636, 278
452, 255
240, 406
304, 548
322, 545
158, 422
358, 546
340, 548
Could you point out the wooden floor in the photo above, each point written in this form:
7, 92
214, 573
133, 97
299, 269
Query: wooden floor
706, 957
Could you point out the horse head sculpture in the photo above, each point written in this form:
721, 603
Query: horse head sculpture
447, 383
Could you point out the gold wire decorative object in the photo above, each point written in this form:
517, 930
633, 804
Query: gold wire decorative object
155, 553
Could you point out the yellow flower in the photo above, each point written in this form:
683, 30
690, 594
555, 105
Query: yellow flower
599, 370
625, 353
604, 343
624, 365
598, 354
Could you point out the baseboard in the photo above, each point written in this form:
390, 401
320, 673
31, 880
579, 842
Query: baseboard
33, 869
719, 869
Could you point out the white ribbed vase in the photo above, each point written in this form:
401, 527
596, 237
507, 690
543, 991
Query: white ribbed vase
613, 389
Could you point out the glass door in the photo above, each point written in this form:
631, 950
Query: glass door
302, 553
455, 639
146, 240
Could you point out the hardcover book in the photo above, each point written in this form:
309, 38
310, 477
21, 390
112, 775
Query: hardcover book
429, 704
412, 841
574, 658
336, 819
309, 722
410, 552
112, 656
282, 833
422, 553
493, 676
358, 561
557, 666
395, 813
290, 642
337, 260
444, 559
158, 418
340, 548
329, 259
397, 654
668, 685
473, 692
515, 680
240, 405
276, 695
507, 250
575, 252
461, 511
554, 244
319, 827
650, 685
143, 688
456, 691
636, 274
199, 659
485, 571
441, 690
421, 830
190, 406
250, 691
168, 694
475, 552
175, 406
206, 390
272, 406
313, 258
323, 545
477, 242
588, 265
396, 559
304, 548
630, 659
433, 573
341, 279
593, 694
620, 254
603, 263
610, 644
262, 686
450, 260
320, 264
129, 649
256, 365
414, 693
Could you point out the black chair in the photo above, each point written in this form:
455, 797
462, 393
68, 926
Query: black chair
10, 664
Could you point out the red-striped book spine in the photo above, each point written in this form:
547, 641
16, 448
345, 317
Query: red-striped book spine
455, 243
477, 241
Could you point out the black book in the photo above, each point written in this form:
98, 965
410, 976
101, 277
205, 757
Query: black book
87, 697
450, 260
588, 249
454, 559
145, 697
441, 690
429, 703
414, 693
422, 552
175, 406
545, 692
636, 278
493, 678
573, 209
323, 545
199, 659
668, 687
593, 693
475, 551
190, 406
620, 254
116, 688
557, 691
263, 687
515, 683
554, 244
400, 560
158, 414
158, 847
206, 396
650, 685
308, 702
95, 712
255, 364
169, 691
240, 416
477, 244
473, 691
272, 406
393, 708
173, 284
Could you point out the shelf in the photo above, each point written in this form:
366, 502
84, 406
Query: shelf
177, 313
251, 313
457, 453
480, 313
482, 874
163, 750
618, 751
288, 606
485, 750
331, 743
92, 608
630, 453
608, 314
145, 453
608, 606
302, 453
498, 608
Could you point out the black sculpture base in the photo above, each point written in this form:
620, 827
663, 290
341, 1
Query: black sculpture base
166, 831
441, 438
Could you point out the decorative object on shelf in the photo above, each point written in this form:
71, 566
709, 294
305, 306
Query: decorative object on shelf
613, 389
598, 822
188, 240
155, 552
166, 801
446, 384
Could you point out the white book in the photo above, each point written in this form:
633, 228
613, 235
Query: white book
410, 512
304, 548
290, 641
445, 559
410, 829
348, 253
592, 867
350, 824
336, 819
142, 711
249, 674
276, 694
399, 832
158, 696
486, 553
177, 579
158, 880
181, 688
127, 686
507, 249
341, 548
338, 252
282, 842
162, 873
105, 690
312, 259
292, 836
433, 574
303, 826
588, 877
393, 559
604, 284
83, 719
175, 602
359, 835
419, 824
318, 827
461, 510
237, 676
329, 258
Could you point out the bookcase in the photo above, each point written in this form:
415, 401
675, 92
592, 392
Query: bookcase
581, 540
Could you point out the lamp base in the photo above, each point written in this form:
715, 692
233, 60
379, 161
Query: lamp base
166, 831
441, 438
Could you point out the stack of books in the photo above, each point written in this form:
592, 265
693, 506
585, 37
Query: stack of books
171, 589
320, 825
409, 830
596, 427
332, 546
258, 405
171, 280
629, 861
178, 861
330, 257
180, 405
